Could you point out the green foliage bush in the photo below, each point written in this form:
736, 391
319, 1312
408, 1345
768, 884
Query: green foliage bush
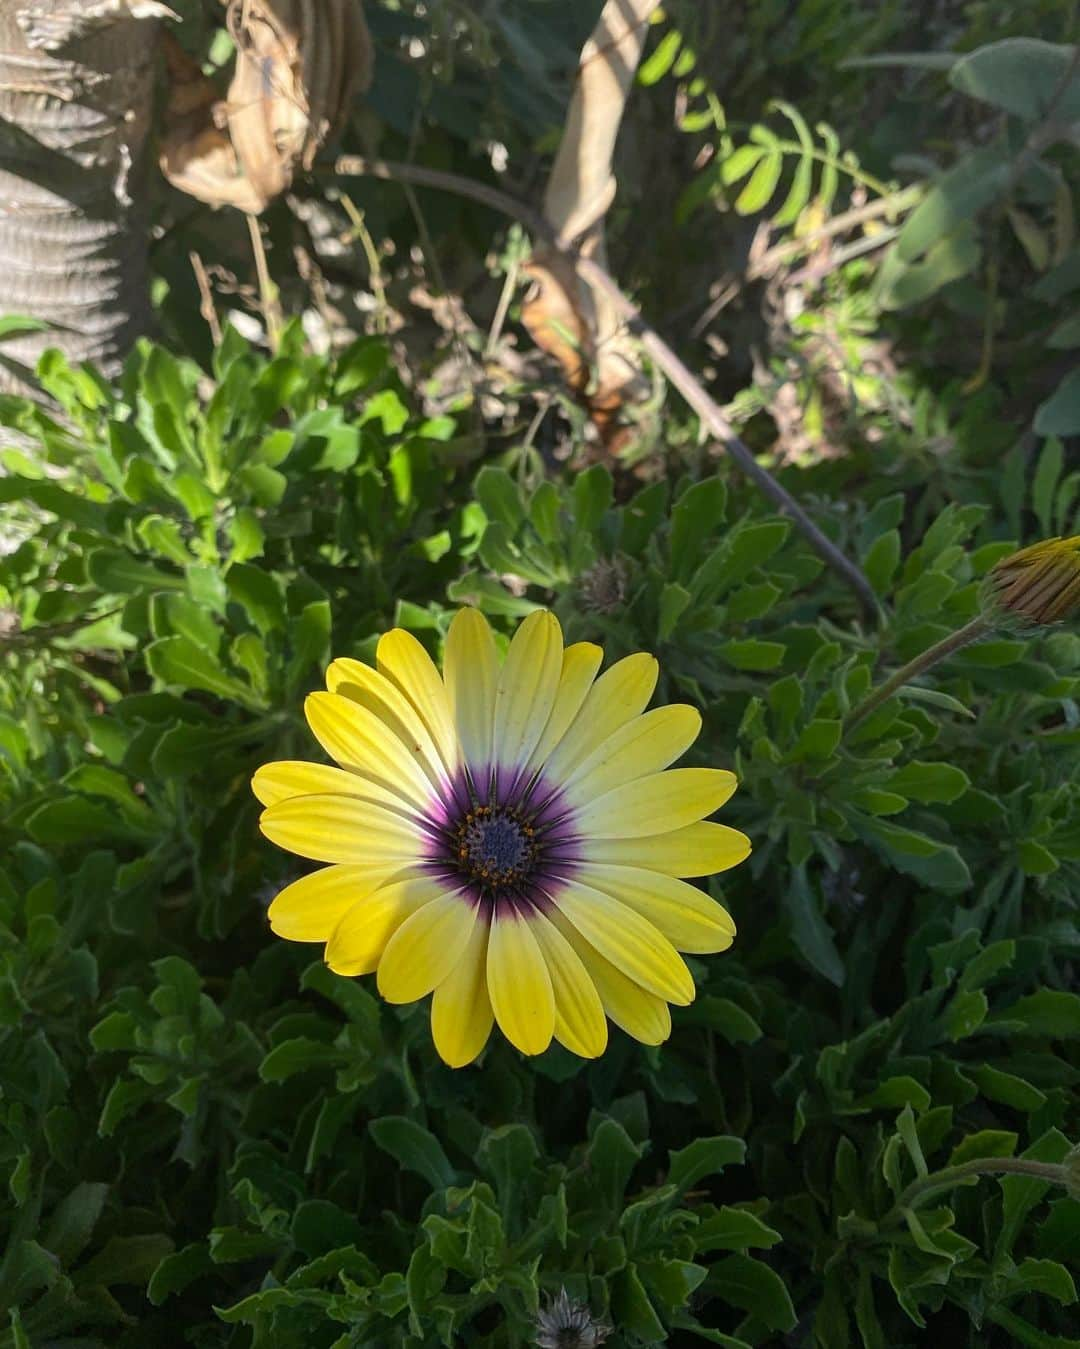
202, 1127
209, 1139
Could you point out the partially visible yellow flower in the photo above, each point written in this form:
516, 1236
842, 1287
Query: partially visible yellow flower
505, 837
1037, 585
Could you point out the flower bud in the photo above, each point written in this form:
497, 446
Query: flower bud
1035, 586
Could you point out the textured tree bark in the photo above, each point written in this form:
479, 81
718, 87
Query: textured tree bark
76, 84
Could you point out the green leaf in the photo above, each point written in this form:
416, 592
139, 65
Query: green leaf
703, 1157
730, 1020
611, 1156
591, 497
957, 196
695, 517
632, 1309
1059, 415
900, 285
498, 494
1020, 1194
1041, 1276
752, 1285
739, 164
1021, 75
810, 933
985, 1143
929, 782
75, 820
179, 1269
733, 1229
297, 1055
674, 600
997, 1085
752, 654
73, 1221
1049, 1012
414, 1148
881, 561
177, 660
16, 325
259, 594
818, 740
1024, 1333
758, 192
125, 1260
118, 573
657, 64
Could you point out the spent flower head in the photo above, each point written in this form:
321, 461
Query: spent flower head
1036, 586
565, 1324
506, 836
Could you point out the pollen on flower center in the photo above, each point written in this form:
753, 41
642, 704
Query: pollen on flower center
495, 846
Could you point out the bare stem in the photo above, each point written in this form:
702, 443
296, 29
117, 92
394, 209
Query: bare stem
676, 371
359, 230
268, 291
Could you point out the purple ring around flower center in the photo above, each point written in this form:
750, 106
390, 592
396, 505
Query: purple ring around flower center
506, 842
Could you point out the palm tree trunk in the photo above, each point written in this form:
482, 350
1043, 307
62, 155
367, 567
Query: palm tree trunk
76, 87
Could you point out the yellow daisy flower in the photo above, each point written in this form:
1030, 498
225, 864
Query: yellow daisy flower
505, 838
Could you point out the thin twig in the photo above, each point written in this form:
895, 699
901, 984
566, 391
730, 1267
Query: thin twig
206, 298
502, 308
891, 205
666, 359
268, 292
360, 231
815, 272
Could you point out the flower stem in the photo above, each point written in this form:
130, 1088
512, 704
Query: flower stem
947, 1179
970, 632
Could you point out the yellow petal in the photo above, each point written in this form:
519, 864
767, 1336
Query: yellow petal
359, 682
579, 1013
426, 947
642, 1015
579, 666
645, 745
695, 850
361, 742
342, 829
358, 941
621, 693
471, 671
629, 941
689, 919
657, 803
405, 663
519, 984
275, 782
461, 1015
309, 909
526, 688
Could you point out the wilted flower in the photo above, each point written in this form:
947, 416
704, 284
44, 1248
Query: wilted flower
602, 587
1037, 585
564, 1324
505, 837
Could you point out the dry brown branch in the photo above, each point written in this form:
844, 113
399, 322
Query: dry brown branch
566, 317
297, 67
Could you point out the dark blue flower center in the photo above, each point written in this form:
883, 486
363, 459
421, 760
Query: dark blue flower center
495, 846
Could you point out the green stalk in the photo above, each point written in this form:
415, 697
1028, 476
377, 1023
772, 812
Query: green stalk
947, 1179
970, 632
